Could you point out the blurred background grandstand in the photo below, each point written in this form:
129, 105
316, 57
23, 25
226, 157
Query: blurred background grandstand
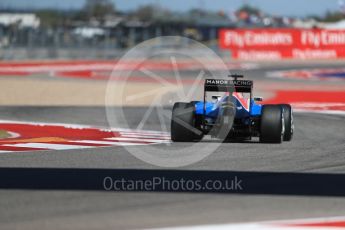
98, 29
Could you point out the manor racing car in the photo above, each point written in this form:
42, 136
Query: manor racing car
231, 114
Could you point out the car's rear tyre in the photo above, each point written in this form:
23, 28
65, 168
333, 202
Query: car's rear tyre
288, 122
183, 123
272, 124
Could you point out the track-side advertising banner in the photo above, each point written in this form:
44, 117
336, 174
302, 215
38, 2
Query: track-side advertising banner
283, 43
276, 54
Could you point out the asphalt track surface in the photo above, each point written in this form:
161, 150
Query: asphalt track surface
316, 153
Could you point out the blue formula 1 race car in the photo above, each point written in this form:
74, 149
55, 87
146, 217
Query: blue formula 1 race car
231, 114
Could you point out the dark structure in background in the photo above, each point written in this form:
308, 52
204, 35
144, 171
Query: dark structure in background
103, 31
113, 32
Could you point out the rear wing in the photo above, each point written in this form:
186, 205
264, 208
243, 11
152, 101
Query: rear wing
223, 85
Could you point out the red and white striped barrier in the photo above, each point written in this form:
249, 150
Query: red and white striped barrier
304, 224
311, 101
101, 70
31, 136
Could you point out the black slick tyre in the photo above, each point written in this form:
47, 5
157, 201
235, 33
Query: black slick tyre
272, 124
288, 122
183, 123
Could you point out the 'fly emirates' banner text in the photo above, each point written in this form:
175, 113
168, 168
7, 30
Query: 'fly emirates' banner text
283, 43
